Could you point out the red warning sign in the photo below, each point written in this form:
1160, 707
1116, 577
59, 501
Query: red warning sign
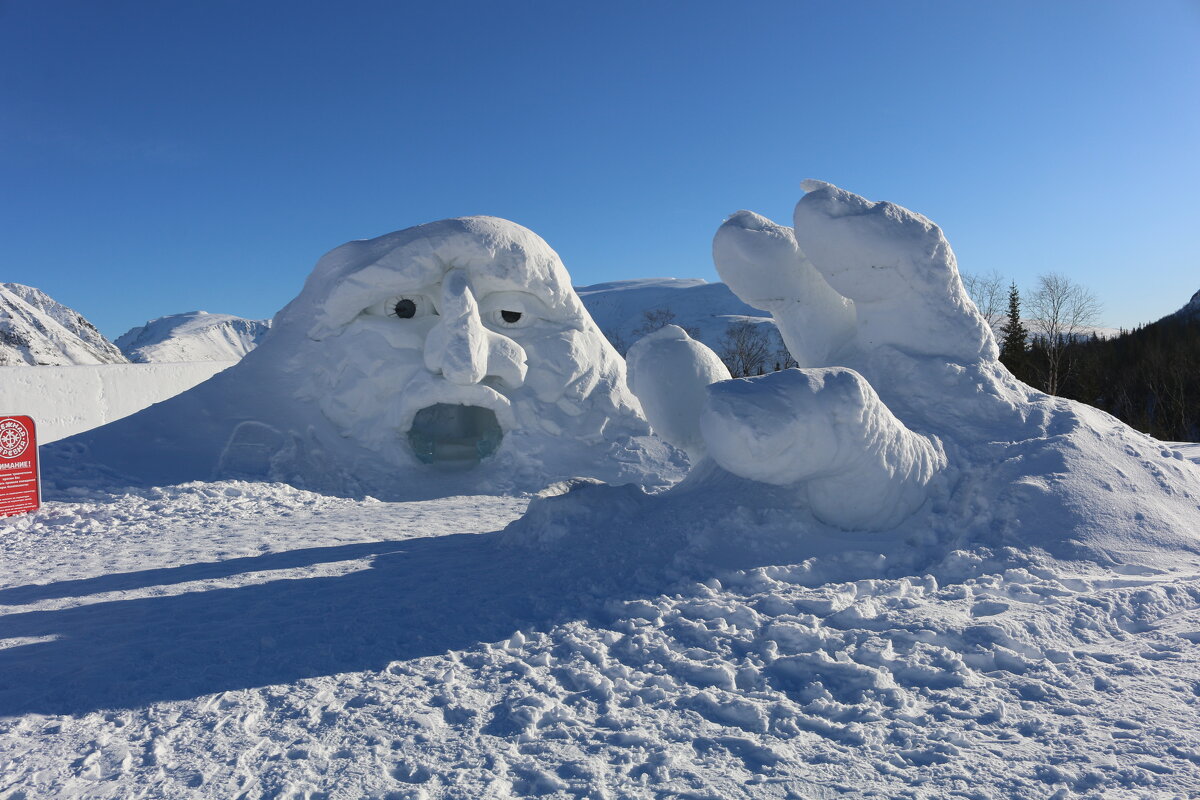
19, 485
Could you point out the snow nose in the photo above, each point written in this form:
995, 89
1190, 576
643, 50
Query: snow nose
461, 348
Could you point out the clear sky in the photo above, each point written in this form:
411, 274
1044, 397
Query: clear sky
160, 157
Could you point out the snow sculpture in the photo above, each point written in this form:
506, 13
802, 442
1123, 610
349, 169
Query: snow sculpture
825, 432
859, 285
762, 264
900, 418
669, 372
452, 356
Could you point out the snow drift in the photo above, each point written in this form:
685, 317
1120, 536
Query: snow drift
900, 419
449, 357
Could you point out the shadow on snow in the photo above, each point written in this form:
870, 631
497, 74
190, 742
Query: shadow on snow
420, 597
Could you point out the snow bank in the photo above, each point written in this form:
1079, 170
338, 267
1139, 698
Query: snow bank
441, 359
64, 401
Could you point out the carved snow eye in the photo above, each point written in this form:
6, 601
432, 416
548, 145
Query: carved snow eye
409, 306
507, 318
505, 311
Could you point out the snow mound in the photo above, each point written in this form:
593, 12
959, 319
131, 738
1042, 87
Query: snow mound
446, 358
194, 336
35, 329
900, 418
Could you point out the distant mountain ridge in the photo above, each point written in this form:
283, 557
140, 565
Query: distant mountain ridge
192, 336
37, 330
708, 309
1192, 309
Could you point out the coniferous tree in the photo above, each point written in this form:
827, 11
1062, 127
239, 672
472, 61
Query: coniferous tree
1013, 347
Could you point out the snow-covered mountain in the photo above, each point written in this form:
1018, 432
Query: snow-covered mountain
193, 336
706, 310
1191, 310
35, 329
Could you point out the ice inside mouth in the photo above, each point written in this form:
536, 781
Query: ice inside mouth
454, 435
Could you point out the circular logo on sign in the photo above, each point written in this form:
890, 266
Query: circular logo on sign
13, 438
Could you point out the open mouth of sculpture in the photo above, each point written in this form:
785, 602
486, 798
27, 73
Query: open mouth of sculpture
455, 436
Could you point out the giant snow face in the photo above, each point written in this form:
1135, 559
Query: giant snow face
451, 357
443, 343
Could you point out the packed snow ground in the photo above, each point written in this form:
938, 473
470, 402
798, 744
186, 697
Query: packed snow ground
220, 640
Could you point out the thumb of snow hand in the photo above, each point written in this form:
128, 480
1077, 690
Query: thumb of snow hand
827, 433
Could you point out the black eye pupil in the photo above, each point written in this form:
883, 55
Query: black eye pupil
510, 316
405, 309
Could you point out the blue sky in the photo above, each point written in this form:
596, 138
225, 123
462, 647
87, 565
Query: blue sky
160, 157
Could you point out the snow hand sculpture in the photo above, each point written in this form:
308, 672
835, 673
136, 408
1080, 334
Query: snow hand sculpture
860, 291
826, 432
900, 418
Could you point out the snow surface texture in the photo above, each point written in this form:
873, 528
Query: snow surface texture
35, 329
670, 373
194, 336
220, 640
64, 401
1190, 450
445, 358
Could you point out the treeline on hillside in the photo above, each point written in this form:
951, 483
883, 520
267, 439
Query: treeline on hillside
1148, 377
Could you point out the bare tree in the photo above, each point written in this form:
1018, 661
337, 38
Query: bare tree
656, 318
783, 357
990, 293
744, 348
1060, 312
616, 340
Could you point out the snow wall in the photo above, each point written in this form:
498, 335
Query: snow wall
67, 400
